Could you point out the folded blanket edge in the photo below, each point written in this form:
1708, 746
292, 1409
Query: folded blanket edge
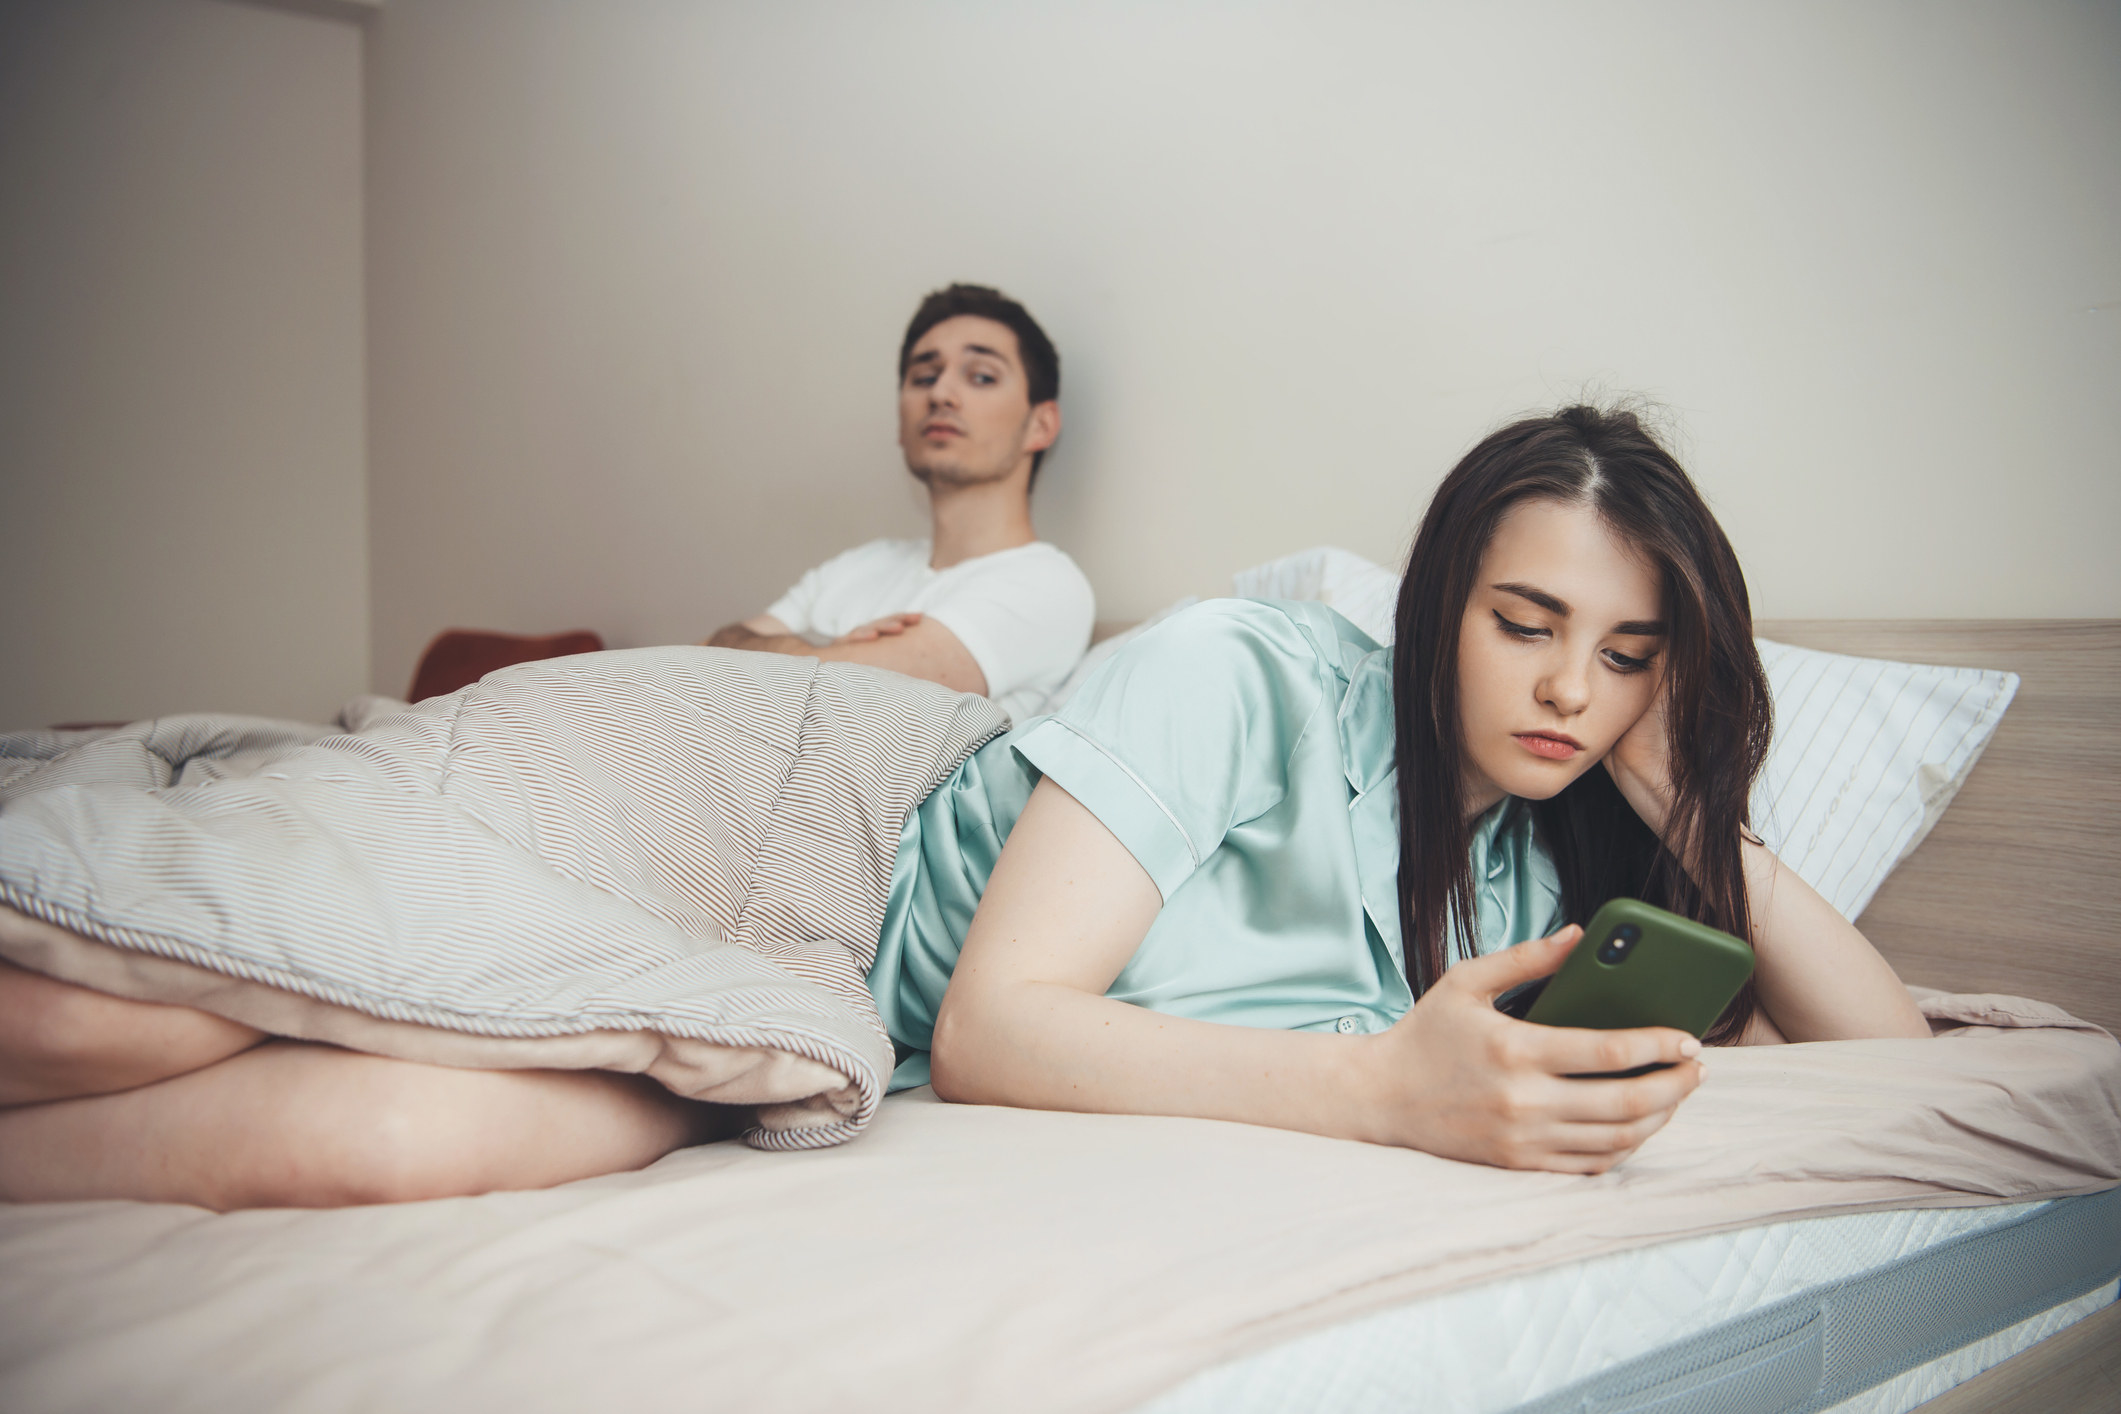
808, 1089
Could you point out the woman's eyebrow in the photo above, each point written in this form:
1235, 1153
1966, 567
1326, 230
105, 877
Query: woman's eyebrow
1538, 596
1636, 628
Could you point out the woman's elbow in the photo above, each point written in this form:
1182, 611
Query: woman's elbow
962, 1062
950, 1069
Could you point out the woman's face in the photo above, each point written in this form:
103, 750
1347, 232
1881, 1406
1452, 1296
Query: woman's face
1558, 654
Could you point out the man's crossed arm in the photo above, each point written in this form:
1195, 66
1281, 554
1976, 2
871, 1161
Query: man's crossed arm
905, 643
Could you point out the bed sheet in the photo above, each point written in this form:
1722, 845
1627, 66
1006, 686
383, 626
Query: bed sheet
975, 1257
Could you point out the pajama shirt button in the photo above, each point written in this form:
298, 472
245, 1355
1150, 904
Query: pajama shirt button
1346, 1026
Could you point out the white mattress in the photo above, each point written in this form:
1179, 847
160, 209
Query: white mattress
1497, 1345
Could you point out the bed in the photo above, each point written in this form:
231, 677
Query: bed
969, 1258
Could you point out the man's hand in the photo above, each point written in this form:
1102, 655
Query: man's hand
759, 632
1458, 1078
912, 644
889, 626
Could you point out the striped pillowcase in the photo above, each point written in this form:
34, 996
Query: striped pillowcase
1866, 755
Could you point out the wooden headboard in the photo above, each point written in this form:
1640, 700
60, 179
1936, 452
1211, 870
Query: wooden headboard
2018, 889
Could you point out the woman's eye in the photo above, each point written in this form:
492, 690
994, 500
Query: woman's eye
983, 379
1524, 631
1626, 664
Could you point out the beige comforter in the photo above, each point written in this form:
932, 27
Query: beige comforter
975, 1258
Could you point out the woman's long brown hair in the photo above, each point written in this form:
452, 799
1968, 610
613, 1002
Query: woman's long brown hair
1717, 701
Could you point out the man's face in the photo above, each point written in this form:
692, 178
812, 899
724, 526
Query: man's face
964, 410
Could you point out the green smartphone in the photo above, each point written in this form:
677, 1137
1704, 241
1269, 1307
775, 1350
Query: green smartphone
1641, 966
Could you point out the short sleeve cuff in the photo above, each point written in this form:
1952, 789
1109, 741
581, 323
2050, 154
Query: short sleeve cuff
991, 667
1118, 798
793, 616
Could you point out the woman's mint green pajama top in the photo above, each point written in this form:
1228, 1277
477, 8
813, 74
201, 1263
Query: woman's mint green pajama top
1242, 752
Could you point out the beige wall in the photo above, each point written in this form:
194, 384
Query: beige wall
639, 269
182, 453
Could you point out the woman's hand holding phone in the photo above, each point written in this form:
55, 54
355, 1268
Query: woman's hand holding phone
1464, 1081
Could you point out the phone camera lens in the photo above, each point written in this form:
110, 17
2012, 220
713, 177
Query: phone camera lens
1618, 944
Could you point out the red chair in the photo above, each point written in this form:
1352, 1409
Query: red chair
459, 656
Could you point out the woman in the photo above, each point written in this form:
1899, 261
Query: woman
1230, 880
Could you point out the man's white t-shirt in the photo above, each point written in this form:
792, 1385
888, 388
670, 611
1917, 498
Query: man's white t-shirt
1023, 614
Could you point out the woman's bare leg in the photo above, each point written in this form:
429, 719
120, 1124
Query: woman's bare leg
293, 1124
59, 1041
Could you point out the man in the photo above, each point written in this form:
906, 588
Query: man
983, 605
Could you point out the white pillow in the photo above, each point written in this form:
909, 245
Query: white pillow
1866, 752
1866, 755
1091, 661
1361, 591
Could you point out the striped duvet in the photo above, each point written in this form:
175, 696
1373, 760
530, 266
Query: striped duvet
666, 860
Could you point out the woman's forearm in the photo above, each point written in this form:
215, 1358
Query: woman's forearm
1818, 978
1454, 1077
1026, 1022
1046, 1045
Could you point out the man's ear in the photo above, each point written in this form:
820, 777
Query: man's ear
1043, 430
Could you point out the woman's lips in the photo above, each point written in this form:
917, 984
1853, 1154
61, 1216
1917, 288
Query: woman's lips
1550, 748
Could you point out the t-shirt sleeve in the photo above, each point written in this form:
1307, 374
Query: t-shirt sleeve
1186, 733
794, 608
1025, 619
800, 606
